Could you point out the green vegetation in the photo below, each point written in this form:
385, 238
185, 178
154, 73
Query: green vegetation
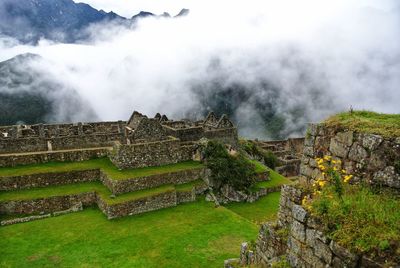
102, 163
262, 210
259, 168
86, 187
268, 157
276, 179
387, 125
354, 215
187, 187
192, 234
234, 170
362, 220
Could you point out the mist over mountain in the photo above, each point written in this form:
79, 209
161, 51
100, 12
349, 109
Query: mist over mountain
29, 95
58, 20
270, 68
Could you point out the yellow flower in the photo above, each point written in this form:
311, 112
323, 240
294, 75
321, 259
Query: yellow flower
343, 171
327, 157
321, 167
334, 162
320, 161
335, 168
347, 178
304, 201
322, 183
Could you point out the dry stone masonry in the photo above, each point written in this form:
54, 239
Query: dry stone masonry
296, 237
370, 158
138, 142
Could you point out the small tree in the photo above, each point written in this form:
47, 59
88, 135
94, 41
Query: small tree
234, 170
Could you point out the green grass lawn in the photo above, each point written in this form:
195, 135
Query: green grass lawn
276, 179
260, 168
189, 235
86, 187
102, 163
264, 209
387, 125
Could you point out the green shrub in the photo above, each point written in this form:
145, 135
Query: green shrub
267, 156
270, 159
234, 170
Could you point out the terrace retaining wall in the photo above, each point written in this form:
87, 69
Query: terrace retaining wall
47, 205
135, 184
48, 179
115, 186
370, 158
12, 160
130, 207
304, 244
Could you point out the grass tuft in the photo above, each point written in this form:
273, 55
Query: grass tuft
387, 125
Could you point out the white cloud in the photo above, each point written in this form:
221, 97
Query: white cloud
348, 50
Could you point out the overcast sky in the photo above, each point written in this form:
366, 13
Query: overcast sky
316, 58
128, 8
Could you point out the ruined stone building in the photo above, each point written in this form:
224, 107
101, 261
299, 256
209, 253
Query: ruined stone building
138, 142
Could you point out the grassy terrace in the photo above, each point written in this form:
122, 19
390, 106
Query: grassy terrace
190, 235
276, 179
387, 125
264, 209
84, 187
101, 163
260, 168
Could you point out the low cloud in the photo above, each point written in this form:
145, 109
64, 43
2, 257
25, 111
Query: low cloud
272, 67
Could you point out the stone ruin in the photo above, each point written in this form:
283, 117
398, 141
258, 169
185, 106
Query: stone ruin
138, 142
288, 152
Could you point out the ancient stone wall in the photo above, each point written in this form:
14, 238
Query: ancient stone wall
299, 237
227, 135
47, 205
47, 179
129, 185
41, 137
112, 210
147, 154
370, 158
11, 160
150, 203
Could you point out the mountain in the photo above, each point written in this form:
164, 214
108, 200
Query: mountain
59, 20
28, 95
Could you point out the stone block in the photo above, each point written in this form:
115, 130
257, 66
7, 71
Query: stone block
308, 151
357, 153
345, 137
338, 149
346, 257
371, 141
298, 231
322, 251
299, 213
305, 170
294, 245
387, 177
